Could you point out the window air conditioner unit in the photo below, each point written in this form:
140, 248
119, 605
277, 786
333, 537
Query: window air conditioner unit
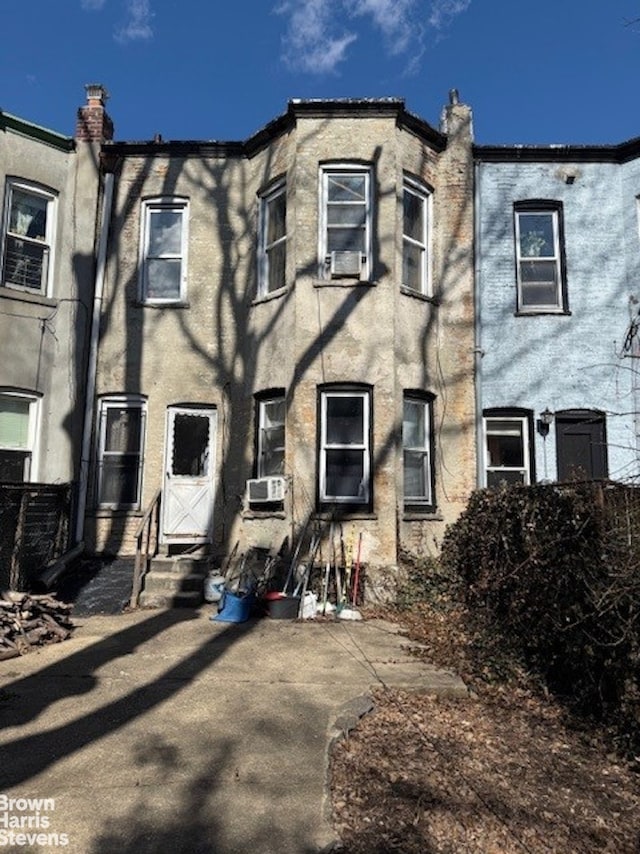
262, 490
346, 263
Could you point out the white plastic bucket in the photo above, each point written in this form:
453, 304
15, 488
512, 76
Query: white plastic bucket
213, 587
309, 606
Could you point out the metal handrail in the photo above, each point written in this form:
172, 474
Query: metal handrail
142, 556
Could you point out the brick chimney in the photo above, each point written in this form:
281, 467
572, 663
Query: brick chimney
93, 123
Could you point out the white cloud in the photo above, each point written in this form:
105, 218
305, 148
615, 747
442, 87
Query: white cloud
313, 42
138, 24
320, 32
393, 18
444, 11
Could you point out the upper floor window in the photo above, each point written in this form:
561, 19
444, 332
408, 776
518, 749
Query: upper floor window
417, 451
539, 257
415, 238
270, 444
508, 447
120, 448
164, 251
273, 240
345, 222
17, 436
345, 446
28, 238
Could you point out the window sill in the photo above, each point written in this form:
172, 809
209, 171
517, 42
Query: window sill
160, 305
348, 515
553, 312
109, 512
270, 296
422, 516
344, 283
434, 300
271, 513
27, 296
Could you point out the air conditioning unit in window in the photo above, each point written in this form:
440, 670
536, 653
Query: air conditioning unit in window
346, 263
262, 490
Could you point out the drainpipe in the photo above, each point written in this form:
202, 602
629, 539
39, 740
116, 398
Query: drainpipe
90, 388
477, 335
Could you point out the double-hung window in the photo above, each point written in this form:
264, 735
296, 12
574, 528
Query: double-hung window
539, 257
28, 238
345, 446
508, 449
270, 445
273, 240
417, 451
345, 222
163, 266
415, 238
120, 451
17, 436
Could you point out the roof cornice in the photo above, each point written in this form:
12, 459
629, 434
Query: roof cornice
620, 153
36, 132
297, 109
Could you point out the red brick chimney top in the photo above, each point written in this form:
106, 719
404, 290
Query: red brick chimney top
93, 123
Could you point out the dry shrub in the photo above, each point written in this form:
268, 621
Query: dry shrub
553, 572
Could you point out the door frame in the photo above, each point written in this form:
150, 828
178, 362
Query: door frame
596, 421
173, 409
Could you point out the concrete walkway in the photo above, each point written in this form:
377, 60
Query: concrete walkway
160, 731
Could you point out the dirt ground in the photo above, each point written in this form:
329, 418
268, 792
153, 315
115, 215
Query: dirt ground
504, 772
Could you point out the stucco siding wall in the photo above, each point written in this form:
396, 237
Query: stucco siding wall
228, 344
46, 335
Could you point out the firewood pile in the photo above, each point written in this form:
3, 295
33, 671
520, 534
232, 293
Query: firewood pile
29, 620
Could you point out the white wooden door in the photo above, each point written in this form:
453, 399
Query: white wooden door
188, 495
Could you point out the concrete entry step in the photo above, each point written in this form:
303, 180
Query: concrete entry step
168, 599
174, 581
180, 565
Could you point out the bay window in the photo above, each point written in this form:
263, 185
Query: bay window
270, 440
417, 451
273, 241
415, 231
345, 446
345, 218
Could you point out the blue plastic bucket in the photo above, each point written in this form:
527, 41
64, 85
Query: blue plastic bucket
235, 609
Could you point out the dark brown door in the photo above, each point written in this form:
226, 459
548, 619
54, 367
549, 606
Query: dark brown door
581, 445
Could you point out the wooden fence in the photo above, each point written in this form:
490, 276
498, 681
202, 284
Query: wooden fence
34, 530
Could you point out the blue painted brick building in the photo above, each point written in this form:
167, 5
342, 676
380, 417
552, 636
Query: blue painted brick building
557, 300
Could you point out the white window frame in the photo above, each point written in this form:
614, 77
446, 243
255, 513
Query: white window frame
524, 433
265, 247
424, 242
363, 447
149, 206
47, 242
558, 304
424, 449
328, 171
30, 464
104, 405
263, 405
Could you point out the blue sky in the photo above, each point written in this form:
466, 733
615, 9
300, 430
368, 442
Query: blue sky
553, 71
